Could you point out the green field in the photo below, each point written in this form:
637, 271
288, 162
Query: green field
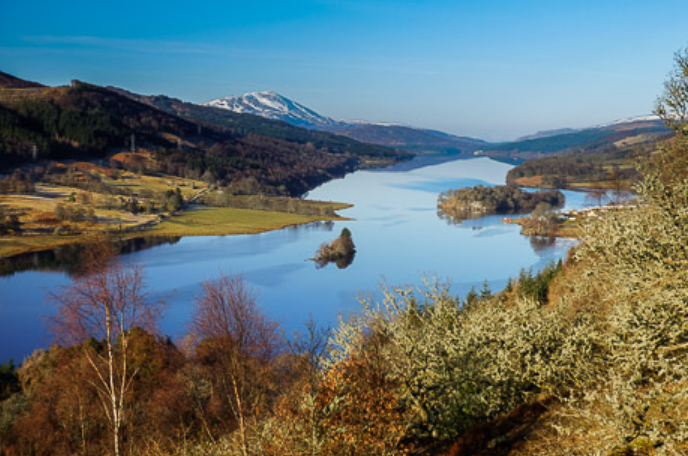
206, 221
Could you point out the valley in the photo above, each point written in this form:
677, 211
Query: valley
386, 211
344, 228
128, 205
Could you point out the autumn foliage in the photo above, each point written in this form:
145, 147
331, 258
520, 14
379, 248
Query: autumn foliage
588, 357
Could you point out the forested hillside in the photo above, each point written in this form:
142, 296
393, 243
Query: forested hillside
585, 357
588, 355
588, 170
271, 105
247, 124
416, 140
598, 140
85, 121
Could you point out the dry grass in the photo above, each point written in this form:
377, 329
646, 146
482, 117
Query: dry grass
606, 185
632, 140
137, 183
536, 182
39, 223
568, 229
531, 181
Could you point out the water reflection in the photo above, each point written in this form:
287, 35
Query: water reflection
423, 160
542, 244
342, 262
398, 237
70, 257
324, 225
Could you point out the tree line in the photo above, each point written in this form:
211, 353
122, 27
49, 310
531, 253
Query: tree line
596, 344
586, 357
505, 199
560, 171
86, 121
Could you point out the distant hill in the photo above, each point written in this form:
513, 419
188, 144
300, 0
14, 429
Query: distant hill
548, 133
244, 124
7, 81
631, 121
417, 140
274, 106
604, 156
610, 137
86, 121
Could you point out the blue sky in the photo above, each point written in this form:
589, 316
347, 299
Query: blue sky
493, 69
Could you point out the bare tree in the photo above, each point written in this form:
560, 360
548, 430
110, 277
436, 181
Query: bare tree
618, 183
243, 341
597, 195
672, 105
105, 304
310, 350
311, 346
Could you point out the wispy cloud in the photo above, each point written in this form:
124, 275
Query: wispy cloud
123, 44
219, 49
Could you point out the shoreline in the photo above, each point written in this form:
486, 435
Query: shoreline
231, 222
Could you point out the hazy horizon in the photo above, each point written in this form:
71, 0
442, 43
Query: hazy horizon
491, 70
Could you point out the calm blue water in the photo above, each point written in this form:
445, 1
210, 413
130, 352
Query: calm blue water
398, 235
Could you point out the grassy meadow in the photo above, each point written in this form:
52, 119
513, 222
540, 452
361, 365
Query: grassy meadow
212, 221
110, 212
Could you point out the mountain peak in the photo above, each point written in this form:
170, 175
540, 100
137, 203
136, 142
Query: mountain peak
273, 106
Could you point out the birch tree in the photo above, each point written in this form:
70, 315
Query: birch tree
104, 305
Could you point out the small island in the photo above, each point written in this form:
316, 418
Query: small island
464, 203
341, 251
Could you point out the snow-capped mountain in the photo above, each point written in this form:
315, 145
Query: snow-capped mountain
276, 106
630, 120
273, 106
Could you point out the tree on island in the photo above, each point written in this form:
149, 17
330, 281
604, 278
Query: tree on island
340, 251
470, 202
542, 222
